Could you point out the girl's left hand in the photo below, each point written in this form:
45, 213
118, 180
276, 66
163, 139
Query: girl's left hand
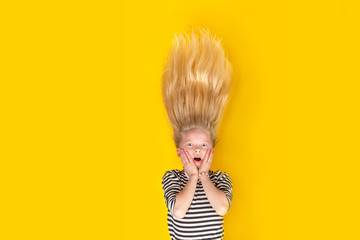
205, 164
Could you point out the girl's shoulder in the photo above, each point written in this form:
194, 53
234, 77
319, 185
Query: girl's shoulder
172, 173
219, 174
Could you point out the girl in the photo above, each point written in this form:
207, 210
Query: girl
196, 84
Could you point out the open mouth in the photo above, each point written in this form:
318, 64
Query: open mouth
197, 159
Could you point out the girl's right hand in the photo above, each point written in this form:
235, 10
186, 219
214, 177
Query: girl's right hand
188, 163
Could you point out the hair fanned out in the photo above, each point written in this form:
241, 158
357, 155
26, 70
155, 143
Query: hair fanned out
196, 84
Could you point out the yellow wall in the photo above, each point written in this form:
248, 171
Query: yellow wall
85, 142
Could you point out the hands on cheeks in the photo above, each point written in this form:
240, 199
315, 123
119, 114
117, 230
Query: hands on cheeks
190, 165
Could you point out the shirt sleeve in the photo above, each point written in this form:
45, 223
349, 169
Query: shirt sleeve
171, 187
224, 184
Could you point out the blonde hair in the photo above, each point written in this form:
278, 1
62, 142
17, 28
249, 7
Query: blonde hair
196, 84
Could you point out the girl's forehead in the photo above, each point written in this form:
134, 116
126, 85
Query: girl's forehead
197, 136
194, 139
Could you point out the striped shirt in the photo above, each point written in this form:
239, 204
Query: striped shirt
201, 220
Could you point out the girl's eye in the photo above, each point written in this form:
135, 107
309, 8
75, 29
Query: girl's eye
204, 144
189, 144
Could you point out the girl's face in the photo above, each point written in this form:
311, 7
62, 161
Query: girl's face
196, 141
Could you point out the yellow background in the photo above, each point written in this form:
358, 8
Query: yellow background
84, 136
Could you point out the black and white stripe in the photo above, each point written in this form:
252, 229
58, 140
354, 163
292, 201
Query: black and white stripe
201, 220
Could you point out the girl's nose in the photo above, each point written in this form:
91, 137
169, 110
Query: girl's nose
197, 151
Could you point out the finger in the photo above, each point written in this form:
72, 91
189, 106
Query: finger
185, 156
205, 160
206, 157
183, 162
182, 157
211, 155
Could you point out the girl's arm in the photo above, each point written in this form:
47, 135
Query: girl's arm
184, 197
217, 198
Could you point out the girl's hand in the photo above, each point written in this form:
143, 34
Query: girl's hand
189, 164
205, 164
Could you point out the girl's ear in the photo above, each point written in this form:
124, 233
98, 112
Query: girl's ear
178, 151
